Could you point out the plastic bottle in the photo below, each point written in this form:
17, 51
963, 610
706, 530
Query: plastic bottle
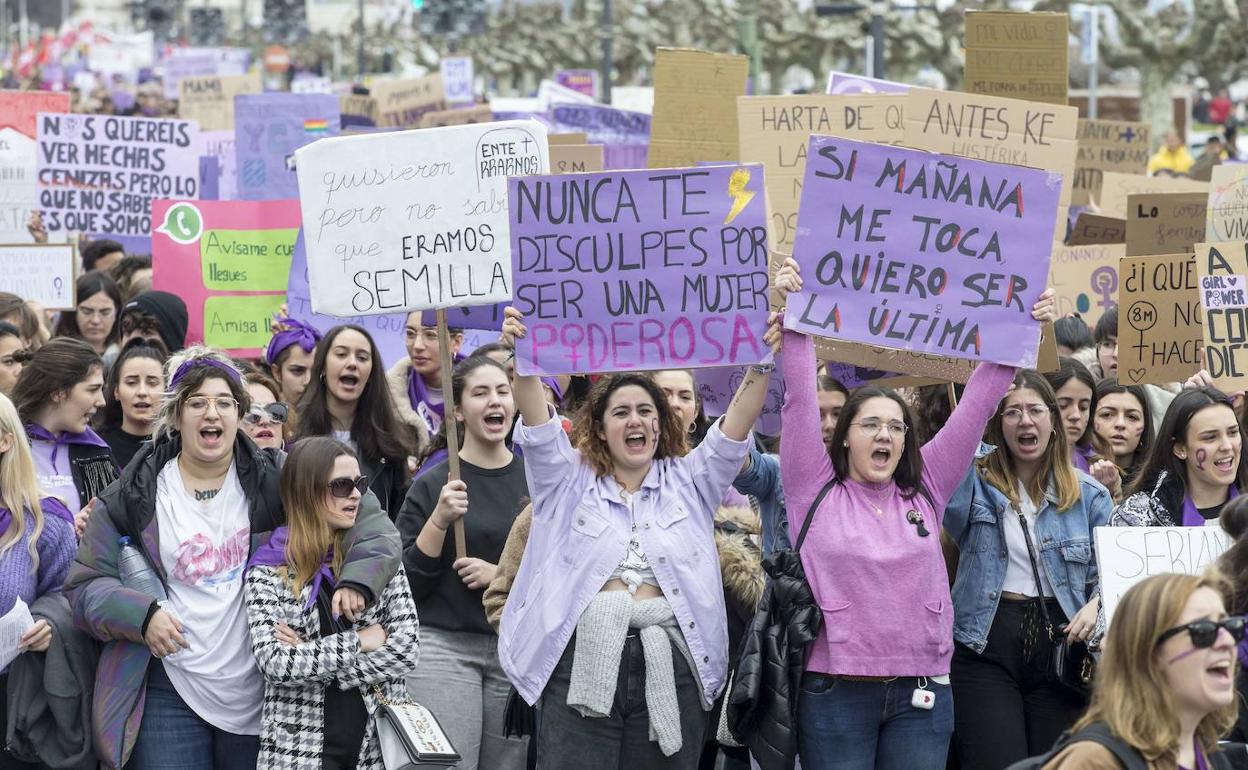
137, 573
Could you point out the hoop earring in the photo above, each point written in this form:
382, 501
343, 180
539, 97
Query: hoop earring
693, 428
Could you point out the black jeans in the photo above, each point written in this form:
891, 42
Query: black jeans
568, 741
1005, 707
7, 760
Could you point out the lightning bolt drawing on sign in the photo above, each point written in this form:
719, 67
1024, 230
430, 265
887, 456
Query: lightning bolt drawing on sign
741, 197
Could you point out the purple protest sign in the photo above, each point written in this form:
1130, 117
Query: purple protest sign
923, 252
484, 317
99, 173
841, 83
718, 385
626, 134
220, 144
651, 269
268, 128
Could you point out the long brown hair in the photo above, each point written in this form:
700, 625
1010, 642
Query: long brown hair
1130, 695
671, 439
55, 368
304, 484
909, 473
998, 467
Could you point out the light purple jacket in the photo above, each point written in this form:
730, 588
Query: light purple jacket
580, 533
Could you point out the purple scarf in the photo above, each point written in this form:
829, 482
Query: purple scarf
87, 438
51, 506
1192, 517
291, 332
418, 392
1080, 457
273, 554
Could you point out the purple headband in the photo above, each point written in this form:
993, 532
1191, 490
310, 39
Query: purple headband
196, 363
292, 333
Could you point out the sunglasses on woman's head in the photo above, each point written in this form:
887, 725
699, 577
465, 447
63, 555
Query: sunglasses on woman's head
1204, 633
342, 486
277, 412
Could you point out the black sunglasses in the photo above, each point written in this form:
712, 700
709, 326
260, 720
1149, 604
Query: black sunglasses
342, 486
277, 412
1205, 632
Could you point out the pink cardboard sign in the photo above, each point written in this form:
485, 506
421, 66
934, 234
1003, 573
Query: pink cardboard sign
229, 260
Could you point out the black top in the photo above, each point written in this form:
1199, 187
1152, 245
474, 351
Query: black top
124, 445
1211, 513
346, 717
495, 497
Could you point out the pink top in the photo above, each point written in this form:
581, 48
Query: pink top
882, 587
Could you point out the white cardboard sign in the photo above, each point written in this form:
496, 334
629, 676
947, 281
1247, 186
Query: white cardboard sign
1127, 555
40, 272
413, 220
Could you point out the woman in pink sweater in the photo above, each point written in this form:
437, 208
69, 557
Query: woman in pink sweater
876, 689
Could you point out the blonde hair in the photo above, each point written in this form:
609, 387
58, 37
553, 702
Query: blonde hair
171, 406
304, 484
19, 486
1130, 694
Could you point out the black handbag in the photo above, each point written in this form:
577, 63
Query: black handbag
1070, 664
762, 698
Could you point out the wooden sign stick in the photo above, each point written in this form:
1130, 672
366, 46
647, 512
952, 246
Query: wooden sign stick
448, 422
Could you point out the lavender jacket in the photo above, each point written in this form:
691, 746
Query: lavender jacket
581, 531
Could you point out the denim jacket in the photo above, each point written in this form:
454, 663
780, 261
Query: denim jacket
973, 519
762, 482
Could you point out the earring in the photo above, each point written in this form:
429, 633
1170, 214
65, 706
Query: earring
693, 428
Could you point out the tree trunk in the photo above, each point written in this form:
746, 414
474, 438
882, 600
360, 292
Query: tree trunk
1156, 104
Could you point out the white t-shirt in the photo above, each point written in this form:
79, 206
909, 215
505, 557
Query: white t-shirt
1019, 579
204, 546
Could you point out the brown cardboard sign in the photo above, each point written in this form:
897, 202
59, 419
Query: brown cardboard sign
575, 158
1159, 319
890, 360
1165, 223
695, 106
1020, 55
1116, 186
775, 131
401, 103
358, 105
1228, 203
1107, 145
1222, 269
210, 99
569, 138
1092, 228
460, 117
1085, 278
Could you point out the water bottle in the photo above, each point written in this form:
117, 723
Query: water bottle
137, 573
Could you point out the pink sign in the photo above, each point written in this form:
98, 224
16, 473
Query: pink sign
230, 261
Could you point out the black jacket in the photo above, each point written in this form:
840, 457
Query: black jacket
387, 480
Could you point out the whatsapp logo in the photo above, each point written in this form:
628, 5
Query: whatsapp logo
183, 223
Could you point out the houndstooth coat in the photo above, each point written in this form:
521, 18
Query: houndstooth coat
295, 677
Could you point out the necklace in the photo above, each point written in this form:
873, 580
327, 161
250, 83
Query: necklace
877, 501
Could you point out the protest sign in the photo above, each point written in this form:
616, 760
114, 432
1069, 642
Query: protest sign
99, 173
358, 110
40, 272
1092, 228
695, 106
1159, 319
840, 83
400, 103
1228, 203
570, 138
626, 135
716, 387
230, 262
458, 117
575, 158
640, 269
1115, 187
550, 93
195, 62
885, 360
457, 79
411, 220
1165, 223
1020, 55
209, 100
775, 130
18, 153
583, 81
1223, 272
220, 145
922, 252
268, 128
1107, 145
305, 83
1127, 555
1085, 278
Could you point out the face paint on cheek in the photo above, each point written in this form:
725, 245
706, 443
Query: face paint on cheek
654, 428
1201, 456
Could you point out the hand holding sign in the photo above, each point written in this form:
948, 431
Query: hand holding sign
788, 279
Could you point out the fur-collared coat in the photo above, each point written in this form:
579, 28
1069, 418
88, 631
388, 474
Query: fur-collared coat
396, 378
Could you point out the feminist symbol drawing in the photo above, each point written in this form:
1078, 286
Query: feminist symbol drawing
1105, 283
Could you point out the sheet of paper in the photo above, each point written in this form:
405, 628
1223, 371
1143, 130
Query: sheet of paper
17, 622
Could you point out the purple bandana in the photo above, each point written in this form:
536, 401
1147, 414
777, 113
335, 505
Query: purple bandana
51, 506
291, 332
88, 438
273, 554
1192, 517
195, 363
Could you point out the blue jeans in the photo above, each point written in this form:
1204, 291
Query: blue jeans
173, 737
847, 725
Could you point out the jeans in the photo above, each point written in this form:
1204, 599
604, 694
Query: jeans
849, 725
1008, 709
460, 680
621, 741
173, 737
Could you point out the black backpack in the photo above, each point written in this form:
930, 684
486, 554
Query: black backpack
1129, 758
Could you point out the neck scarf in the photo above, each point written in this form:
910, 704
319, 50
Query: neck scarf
87, 438
1191, 514
52, 506
273, 554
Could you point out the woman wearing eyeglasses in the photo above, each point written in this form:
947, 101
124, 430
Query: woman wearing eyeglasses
132, 398
1022, 521
1165, 685
416, 381
875, 692
268, 421
323, 674
94, 321
178, 685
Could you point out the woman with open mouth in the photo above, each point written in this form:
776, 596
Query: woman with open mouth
348, 399
178, 684
1165, 686
1023, 521
460, 678
875, 692
1195, 466
1123, 427
269, 421
132, 398
616, 619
